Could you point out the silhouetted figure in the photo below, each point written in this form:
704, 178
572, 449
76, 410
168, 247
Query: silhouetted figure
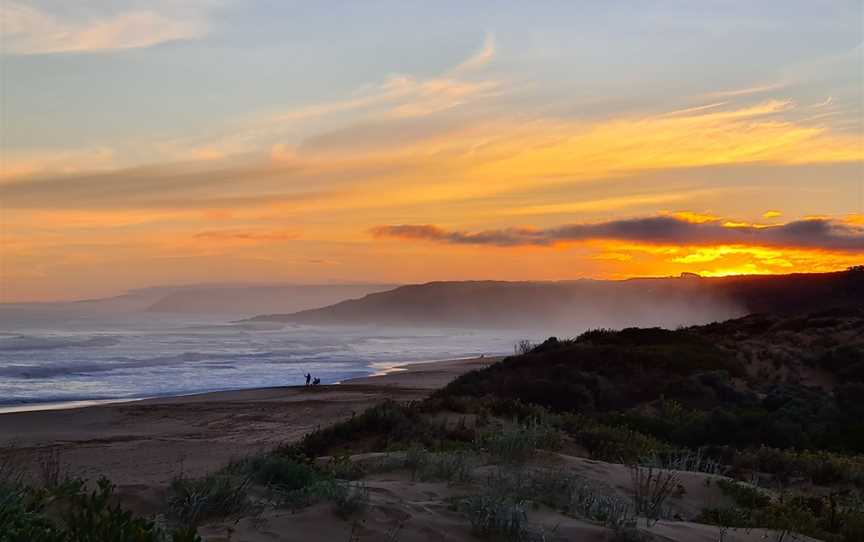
316, 381
308, 378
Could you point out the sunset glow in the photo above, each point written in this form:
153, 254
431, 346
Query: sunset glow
129, 159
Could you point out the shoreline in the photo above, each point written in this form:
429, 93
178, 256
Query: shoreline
382, 369
148, 441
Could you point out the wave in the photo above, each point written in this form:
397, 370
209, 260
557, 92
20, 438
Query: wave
28, 342
201, 359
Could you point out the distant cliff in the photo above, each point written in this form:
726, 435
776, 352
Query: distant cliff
667, 302
252, 299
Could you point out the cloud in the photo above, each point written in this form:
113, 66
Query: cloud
247, 236
747, 91
54, 162
824, 234
480, 58
428, 160
171, 186
403, 95
604, 204
28, 30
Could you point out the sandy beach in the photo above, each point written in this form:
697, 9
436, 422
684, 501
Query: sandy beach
150, 441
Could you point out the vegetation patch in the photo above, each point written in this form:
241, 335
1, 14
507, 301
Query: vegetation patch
70, 512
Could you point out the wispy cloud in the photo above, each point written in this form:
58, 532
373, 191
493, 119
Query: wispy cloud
247, 236
54, 162
747, 91
29, 30
604, 204
660, 230
404, 95
424, 160
480, 58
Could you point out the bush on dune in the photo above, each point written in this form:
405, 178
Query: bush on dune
387, 426
518, 444
69, 512
600, 370
193, 501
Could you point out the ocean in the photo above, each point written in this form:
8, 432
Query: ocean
62, 358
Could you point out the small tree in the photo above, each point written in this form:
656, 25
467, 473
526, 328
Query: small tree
651, 488
523, 347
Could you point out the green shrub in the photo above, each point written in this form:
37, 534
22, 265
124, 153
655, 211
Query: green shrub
745, 496
194, 500
348, 498
22, 518
612, 443
387, 426
272, 469
519, 443
67, 512
725, 519
446, 466
496, 516
577, 497
343, 467
651, 487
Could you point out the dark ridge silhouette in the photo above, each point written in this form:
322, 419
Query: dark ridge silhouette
666, 302
251, 299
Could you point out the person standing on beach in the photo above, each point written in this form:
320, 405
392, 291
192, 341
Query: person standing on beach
308, 378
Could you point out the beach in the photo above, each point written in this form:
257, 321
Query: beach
142, 445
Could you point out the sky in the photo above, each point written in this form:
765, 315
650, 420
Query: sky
174, 142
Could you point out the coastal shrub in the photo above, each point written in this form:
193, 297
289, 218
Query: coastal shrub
522, 412
745, 496
611, 442
387, 426
598, 371
650, 489
449, 466
68, 512
726, 519
845, 361
788, 518
685, 460
789, 416
273, 469
607, 373
564, 491
839, 515
819, 467
22, 518
503, 516
348, 498
519, 443
192, 501
523, 346
576, 496
98, 516
292, 482
343, 467
497, 516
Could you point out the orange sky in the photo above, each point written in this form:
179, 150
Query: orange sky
475, 146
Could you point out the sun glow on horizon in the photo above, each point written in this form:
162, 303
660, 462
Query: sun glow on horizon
241, 160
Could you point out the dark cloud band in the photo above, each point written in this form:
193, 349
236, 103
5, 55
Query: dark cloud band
813, 233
